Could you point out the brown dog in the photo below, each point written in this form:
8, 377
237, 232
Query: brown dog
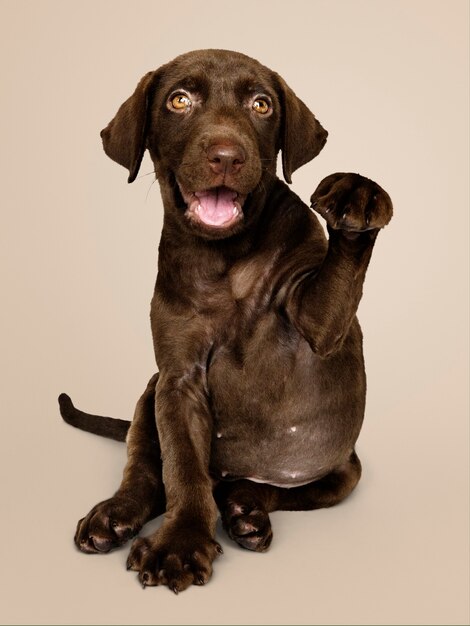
260, 394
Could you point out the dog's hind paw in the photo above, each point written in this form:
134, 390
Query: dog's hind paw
248, 525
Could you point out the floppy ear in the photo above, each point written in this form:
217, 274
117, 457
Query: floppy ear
124, 138
302, 135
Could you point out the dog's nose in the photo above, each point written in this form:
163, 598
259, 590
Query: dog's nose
225, 158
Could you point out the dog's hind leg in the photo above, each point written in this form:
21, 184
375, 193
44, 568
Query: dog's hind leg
326, 492
141, 495
245, 505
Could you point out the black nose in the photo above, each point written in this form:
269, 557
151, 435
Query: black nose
225, 158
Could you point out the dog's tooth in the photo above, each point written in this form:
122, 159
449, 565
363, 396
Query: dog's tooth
198, 208
235, 210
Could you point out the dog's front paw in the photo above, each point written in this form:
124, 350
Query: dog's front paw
353, 203
176, 557
108, 525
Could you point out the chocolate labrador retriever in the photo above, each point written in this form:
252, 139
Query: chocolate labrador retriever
261, 387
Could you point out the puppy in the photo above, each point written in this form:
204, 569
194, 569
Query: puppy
260, 391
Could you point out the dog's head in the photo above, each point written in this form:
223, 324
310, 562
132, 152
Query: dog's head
213, 122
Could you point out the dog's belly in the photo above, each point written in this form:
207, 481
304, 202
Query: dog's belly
284, 416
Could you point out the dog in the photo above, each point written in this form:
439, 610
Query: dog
260, 392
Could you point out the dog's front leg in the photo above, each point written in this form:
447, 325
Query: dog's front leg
324, 303
181, 552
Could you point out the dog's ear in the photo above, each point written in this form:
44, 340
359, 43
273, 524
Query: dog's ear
302, 135
124, 138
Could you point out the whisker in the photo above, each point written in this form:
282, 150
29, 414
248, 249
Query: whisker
147, 174
148, 191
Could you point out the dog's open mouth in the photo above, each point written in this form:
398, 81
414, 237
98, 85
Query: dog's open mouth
219, 207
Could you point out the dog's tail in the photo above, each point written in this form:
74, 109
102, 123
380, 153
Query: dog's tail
109, 427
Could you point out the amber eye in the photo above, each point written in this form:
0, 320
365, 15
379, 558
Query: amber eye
260, 105
180, 102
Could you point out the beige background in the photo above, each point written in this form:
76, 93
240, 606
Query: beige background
388, 79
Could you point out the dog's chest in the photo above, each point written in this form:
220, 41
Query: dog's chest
250, 284
247, 279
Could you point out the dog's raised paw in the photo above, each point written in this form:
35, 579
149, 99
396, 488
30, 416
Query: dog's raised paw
352, 203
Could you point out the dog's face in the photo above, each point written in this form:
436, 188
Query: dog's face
215, 127
213, 122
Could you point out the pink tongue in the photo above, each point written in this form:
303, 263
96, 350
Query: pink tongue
216, 205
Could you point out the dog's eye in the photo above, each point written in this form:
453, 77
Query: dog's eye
260, 105
180, 102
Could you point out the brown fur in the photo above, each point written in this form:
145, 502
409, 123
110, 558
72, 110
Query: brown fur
261, 387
